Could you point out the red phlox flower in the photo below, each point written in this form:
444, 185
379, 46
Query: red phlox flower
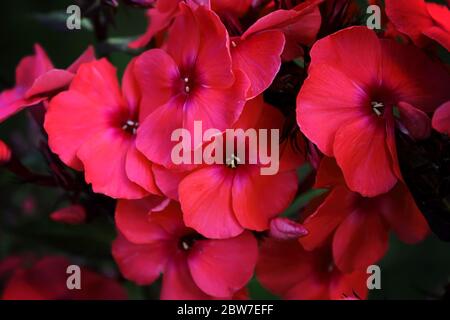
37, 80
421, 21
46, 279
257, 52
157, 242
286, 269
189, 81
162, 15
221, 200
359, 227
359, 87
92, 126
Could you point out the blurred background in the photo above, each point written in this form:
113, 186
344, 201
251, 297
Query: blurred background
408, 272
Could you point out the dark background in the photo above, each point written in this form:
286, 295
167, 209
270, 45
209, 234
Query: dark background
417, 271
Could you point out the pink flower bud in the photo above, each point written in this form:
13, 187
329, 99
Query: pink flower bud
5, 153
285, 229
74, 214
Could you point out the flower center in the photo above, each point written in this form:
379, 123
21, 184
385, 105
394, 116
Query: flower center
130, 126
378, 108
187, 241
233, 161
187, 85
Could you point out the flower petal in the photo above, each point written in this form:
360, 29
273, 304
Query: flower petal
258, 198
326, 218
415, 121
67, 134
362, 239
104, 159
361, 152
327, 101
222, 267
205, 197
258, 56
154, 134
400, 211
155, 71
177, 281
132, 219
140, 263
139, 170
441, 118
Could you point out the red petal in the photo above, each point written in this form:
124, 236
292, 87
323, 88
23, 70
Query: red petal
131, 90
133, 220
50, 83
87, 56
66, 133
140, 263
74, 214
178, 283
345, 286
354, 51
106, 91
283, 264
328, 174
327, 101
416, 79
213, 63
441, 118
139, 170
415, 121
183, 52
154, 134
299, 25
155, 69
258, 56
157, 21
31, 67
5, 153
205, 197
326, 218
104, 159
222, 267
362, 239
217, 108
258, 198
400, 211
235, 8
361, 152
410, 17
168, 180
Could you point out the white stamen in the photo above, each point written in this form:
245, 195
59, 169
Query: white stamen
186, 79
187, 89
377, 107
131, 125
233, 44
233, 161
184, 245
